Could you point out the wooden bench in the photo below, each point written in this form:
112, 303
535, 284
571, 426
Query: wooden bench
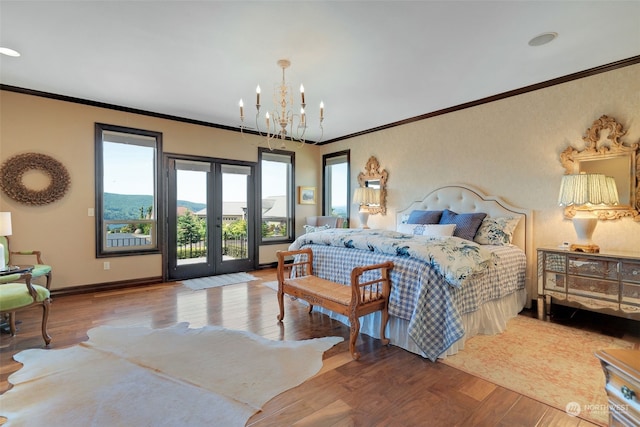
352, 301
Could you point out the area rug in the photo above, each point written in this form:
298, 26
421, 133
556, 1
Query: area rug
550, 363
271, 285
164, 377
215, 281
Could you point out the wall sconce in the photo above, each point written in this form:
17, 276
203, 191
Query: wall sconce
365, 196
584, 190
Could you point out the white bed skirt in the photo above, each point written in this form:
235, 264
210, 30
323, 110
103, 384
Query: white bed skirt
490, 319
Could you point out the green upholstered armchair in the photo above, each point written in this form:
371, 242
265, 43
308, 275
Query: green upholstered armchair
27, 257
18, 296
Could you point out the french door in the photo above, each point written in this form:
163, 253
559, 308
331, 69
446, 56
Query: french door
211, 217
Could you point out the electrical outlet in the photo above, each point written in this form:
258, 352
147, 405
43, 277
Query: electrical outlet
107, 265
90, 212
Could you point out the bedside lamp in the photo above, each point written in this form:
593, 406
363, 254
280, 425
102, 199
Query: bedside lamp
365, 196
5, 230
583, 190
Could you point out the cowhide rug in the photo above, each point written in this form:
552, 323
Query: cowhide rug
157, 377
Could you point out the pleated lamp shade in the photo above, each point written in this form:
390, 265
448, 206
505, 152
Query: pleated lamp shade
588, 188
582, 190
366, 196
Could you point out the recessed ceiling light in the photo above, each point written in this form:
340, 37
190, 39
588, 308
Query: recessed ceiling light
543, 38
9, 52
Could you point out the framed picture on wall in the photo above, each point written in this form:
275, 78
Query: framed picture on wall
307, 195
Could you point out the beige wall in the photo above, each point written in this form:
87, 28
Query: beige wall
63, 231
508, 148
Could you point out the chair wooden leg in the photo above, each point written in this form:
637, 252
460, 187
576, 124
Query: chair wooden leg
12, 323
281, 304
48, 284
353, 337
45, 318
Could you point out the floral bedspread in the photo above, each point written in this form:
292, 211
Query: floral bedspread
454, 258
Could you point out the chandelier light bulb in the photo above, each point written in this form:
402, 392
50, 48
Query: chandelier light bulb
241, 105
258, 95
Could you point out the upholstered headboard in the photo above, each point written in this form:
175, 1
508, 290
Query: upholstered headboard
466, 199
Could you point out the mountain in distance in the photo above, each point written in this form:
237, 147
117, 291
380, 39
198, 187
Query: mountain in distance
127, 206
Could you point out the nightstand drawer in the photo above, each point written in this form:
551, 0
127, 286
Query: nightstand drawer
623, 393
555, 262
630, 272
630, 297
598, 268
602, 289
555, 281
622, 375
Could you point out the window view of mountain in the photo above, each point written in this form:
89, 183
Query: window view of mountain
127, 206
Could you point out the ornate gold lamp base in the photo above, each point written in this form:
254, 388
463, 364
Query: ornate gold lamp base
590, 248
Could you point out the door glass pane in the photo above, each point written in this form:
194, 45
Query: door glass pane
234, 212
192, 231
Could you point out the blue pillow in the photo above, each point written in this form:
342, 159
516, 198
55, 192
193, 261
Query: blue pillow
424, 217
466, 224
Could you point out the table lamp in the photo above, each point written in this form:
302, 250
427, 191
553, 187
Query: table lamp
583, 191
365, 196
5, 230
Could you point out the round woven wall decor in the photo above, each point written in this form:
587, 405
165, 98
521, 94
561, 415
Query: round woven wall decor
13, 170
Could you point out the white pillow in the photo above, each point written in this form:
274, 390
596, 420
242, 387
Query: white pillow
313, 228
432, 230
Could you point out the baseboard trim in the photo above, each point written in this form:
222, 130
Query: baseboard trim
107, 286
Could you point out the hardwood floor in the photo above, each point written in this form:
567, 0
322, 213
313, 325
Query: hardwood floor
386, 387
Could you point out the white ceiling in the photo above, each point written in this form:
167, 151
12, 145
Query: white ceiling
372, 63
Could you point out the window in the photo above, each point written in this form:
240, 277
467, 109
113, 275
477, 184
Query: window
127, 202
335, 198
277, 195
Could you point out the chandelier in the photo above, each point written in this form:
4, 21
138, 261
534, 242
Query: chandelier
282, 122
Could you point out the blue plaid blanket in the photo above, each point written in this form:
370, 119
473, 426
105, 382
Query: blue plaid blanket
421, 295
454, 258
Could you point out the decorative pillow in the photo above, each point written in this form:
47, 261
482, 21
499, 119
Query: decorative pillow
312, 228
466, 224
496, 231
433, 230
424, 217
409, 229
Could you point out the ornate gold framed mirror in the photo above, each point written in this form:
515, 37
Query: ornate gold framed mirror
376, 178
604, 153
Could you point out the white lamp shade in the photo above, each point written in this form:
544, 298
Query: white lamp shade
366, 196
588, 188
5, 224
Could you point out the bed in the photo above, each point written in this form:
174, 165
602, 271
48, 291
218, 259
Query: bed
438, 301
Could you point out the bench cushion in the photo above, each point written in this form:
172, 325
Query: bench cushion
328, 290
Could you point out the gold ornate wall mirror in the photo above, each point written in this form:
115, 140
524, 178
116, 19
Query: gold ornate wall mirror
605, 153
375, 178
